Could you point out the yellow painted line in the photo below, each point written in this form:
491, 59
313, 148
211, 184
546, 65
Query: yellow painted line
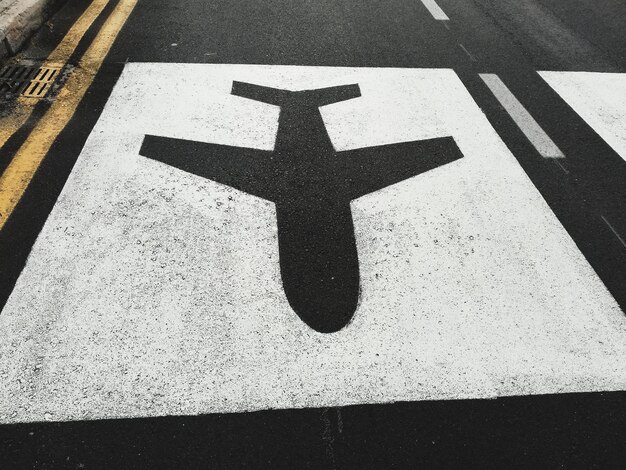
20, 171
12, 122
59, 56
66, 47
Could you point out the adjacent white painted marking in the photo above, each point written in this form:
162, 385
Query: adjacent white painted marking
154, 292
527, 124
599, 98
435, 10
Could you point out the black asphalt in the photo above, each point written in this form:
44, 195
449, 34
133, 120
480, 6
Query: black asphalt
513, 38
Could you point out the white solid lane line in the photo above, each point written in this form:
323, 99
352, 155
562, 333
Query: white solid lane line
527, 124
151, 291
599, 98
435, 10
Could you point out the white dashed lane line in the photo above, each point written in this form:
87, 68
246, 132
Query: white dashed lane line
615, 232
468, 53
435, 10
527, 124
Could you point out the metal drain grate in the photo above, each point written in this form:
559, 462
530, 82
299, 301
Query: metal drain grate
32, 82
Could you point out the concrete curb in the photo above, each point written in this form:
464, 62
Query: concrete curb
19, 19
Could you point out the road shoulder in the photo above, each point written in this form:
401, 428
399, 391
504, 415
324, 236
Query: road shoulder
19, 19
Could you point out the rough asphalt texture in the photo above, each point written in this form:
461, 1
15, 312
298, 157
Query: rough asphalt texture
512, 39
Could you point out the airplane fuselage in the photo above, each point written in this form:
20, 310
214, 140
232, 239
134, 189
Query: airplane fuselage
319, 261
318, 253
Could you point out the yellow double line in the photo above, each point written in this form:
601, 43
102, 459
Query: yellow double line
24, 164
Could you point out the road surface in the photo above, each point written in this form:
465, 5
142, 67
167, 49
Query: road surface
294, 234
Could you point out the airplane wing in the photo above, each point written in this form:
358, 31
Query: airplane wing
245, 169
369, 169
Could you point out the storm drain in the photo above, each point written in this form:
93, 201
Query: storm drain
32, 82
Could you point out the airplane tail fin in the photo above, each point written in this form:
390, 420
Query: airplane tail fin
278, 97
330, 95
261, 93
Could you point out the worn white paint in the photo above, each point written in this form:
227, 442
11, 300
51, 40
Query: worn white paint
467, 53
615, 232
527, 124
154, 292
599, 98
435, 10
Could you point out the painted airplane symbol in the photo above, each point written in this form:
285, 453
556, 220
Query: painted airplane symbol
312, 186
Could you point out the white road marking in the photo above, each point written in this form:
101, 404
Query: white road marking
154, 292
599, 98
560, 165
527, 124
435, 10
617, 235
471, 57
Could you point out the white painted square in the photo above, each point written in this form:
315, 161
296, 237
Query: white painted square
154, 292
599, 98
